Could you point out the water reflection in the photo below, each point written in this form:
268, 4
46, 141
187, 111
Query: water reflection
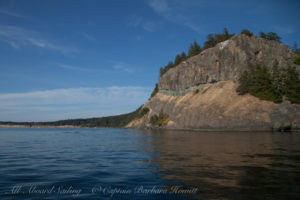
238, 165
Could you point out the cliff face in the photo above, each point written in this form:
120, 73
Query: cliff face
226, 61
200, 93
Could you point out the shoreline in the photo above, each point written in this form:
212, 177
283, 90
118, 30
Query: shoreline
38, 126
152, 128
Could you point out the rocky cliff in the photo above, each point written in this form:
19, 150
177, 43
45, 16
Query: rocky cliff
226, 61
200, 93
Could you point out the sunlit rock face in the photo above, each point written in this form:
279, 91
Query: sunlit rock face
226, 61
200, 93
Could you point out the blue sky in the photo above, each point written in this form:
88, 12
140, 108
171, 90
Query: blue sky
71, 59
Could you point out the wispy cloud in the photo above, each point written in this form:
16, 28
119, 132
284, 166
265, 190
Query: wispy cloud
159, 6
147, 25
123, 67
17, 37
174, 13
135, 21
75, 68
11, 13
89, 37
71, 103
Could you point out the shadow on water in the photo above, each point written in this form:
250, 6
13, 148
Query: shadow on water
236, 165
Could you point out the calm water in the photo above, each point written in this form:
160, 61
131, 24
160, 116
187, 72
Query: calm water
135, 164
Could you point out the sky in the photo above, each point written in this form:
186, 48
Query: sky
63, 59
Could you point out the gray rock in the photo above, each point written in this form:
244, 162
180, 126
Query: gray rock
286, 117
218, 106
226, 61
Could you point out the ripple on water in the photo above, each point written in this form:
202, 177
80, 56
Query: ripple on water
219, 165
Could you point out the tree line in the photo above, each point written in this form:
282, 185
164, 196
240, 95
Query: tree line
275, 84
117, 121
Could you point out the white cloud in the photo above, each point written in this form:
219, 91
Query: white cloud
74, 68
159, 6
123, 67
71, 103
18, 37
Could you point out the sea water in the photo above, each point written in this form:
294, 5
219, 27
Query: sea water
102, 163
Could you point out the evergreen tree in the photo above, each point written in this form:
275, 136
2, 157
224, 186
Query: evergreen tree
273, 86
292, 85
277, 81
273, 36
183, 56
177, 59
226, 33
270, 36
262, 35
244, 81
210, 41
213, 39
195, 49
162, 70
295, 47
154, 91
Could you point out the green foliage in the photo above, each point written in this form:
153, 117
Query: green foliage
246, 32
117, 121
166, 68
179, 58
213, 39
270, 36
143, 112
291, 85
194, 49
159, 120
297, 59
154, 91
271, 85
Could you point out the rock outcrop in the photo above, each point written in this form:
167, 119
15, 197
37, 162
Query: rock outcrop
226, 61
200, 93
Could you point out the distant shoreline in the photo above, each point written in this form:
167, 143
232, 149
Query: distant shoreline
38, 126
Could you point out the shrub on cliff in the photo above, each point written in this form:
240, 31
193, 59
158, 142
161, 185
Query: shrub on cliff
195, 49
154, 91
159, 120
213, 39
246, 32
297, 59
270, 36
272, 85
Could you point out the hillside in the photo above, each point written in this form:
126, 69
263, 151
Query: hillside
117, 121
200, 92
